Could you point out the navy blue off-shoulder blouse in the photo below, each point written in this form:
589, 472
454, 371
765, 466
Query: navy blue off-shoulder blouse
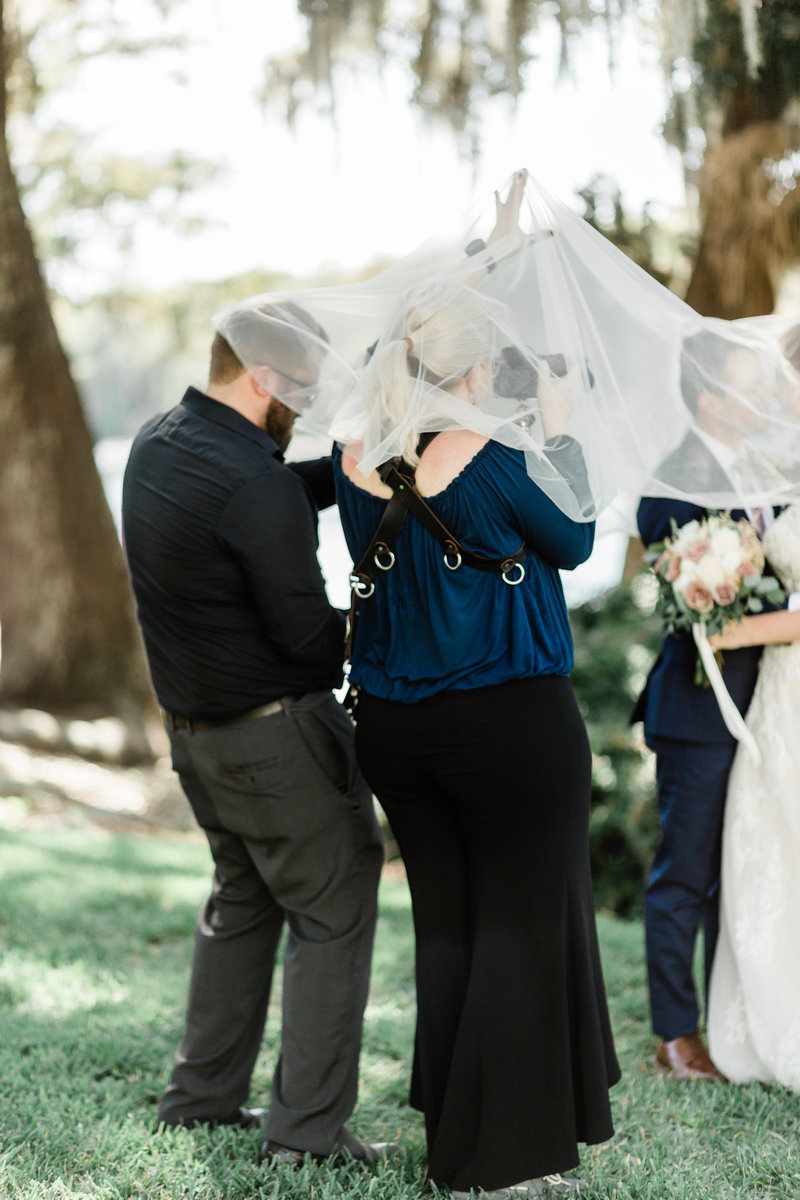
427, 629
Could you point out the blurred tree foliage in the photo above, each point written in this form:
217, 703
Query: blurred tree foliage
616, 641
732, 69
74, 194
650, 244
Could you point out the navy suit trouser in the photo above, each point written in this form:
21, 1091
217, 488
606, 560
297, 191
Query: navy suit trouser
682, 894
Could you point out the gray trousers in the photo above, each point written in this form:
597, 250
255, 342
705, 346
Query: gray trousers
292, 829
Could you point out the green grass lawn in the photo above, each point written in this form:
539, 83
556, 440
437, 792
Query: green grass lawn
95, 938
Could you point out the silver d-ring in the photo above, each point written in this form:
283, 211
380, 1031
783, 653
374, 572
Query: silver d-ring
388, 554
452, 566
506, 573
363, 588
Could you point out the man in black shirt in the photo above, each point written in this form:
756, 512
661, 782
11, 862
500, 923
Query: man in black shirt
244, 649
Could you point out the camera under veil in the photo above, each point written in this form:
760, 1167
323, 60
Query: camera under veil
515, 377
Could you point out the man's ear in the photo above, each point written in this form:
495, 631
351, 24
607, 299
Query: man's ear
261, 381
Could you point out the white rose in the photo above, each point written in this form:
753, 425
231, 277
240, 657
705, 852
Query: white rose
688, 534
686, 575
711, 572
725, 541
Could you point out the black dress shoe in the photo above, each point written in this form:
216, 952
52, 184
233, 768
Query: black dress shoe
245, 1118
282, 1156
346, 1146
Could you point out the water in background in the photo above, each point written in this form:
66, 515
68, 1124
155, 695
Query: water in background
601, 571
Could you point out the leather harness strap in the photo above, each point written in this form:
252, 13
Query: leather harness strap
379, 554
403, 487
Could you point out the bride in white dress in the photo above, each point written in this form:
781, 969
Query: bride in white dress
754, 1002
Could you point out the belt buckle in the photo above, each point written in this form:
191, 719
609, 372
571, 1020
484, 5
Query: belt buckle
176, 721
263, 710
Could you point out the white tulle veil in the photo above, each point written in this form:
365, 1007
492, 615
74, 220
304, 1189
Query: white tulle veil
543, 329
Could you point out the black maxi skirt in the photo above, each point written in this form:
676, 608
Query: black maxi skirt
487, 792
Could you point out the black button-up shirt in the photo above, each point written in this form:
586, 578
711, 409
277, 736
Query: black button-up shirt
221, 538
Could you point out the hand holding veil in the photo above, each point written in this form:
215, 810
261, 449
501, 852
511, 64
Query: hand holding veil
536, 331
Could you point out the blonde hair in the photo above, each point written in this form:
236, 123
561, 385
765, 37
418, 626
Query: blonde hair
442, 330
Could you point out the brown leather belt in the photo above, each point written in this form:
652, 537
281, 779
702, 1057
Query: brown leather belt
176, 721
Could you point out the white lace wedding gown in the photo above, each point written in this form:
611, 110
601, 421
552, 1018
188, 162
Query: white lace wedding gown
754, 1004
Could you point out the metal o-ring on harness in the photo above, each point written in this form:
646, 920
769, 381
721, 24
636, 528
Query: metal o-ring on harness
506, 570
363, 588
383, 557
451, 551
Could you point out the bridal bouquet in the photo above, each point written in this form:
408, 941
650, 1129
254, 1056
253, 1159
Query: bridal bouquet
710, 572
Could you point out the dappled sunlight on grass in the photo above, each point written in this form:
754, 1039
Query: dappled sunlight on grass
42, 990
97, 935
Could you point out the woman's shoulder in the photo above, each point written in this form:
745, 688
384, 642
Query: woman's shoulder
446, 458
348, 459
452, 456
457, 441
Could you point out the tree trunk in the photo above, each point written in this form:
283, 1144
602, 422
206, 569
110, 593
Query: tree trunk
749, 220
70, 643
710, 292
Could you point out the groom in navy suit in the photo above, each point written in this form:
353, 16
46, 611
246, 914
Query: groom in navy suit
683, 725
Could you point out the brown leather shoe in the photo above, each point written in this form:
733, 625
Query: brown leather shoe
687, 1058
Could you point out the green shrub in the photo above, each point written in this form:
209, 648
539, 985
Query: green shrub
616, 640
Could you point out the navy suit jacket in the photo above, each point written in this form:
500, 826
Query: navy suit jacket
672, 705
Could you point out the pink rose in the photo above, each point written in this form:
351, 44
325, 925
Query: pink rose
698, 597
748, 568
724, 593
697, 549
673, 570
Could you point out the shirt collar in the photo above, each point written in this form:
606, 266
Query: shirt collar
725, 455
729, 461
204, 406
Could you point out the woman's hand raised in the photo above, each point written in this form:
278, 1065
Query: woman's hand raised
507, 213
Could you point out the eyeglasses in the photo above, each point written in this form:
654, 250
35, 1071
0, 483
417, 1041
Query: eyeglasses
303, 384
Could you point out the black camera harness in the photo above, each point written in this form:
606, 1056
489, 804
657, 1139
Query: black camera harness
379, 554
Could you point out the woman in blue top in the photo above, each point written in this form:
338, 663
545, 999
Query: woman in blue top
470, 737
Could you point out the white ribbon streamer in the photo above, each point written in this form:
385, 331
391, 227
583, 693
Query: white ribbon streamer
730, 713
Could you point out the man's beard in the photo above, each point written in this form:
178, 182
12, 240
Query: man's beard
279, 423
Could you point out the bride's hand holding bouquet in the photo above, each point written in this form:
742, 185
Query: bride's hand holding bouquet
710, 573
